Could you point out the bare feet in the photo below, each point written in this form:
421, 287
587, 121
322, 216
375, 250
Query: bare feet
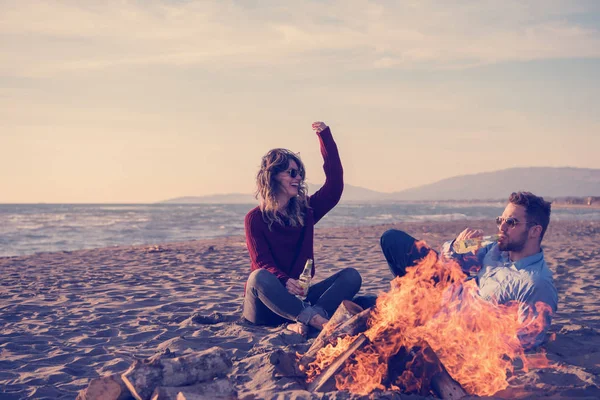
317, 322
299, 328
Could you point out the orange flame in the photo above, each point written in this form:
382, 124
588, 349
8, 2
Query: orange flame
326, 356
476, 340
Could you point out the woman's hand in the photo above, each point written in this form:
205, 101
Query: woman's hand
319, 126
294, 287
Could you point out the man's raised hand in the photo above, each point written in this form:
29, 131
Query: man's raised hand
469, 233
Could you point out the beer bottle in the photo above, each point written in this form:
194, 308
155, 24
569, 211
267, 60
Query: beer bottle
468, 245
305, 277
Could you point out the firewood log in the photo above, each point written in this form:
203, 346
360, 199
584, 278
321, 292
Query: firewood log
343, 313
109, 387
442, 384
217, 389
192, 396
427, 369
285, 363
161, 370
352, 326
321, 381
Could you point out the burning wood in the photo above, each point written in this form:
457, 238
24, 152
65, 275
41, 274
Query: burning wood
475, 341
344, 312
441, 382
349, 319
426, 373
424, 365
336, 365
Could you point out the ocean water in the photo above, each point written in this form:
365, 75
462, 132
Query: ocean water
30, 228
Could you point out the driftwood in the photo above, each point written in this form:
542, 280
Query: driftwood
109, 387
191, 396
164, 370
285, 363
355, 324
217, 389
321, 381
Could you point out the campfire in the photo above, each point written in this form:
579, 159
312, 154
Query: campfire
431, 333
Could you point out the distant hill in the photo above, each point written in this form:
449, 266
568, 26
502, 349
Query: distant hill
351, 193
544, 181
354, 194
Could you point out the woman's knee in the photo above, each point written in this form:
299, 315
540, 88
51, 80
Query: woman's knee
259, 278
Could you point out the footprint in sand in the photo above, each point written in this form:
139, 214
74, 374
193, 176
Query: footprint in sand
573, 262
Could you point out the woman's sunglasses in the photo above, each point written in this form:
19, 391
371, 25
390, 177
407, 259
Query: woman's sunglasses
293, 172
511, 222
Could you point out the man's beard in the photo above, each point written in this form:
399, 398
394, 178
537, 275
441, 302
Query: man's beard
514, 246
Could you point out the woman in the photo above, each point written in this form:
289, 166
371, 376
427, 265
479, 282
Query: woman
279, 236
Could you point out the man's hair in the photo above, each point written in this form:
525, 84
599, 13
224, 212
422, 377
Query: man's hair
536, 209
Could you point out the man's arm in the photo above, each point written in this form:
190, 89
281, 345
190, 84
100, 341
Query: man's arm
538, 305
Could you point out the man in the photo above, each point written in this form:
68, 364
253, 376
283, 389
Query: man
513, 269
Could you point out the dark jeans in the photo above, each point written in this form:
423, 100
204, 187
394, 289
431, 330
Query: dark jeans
268, 302
400, 251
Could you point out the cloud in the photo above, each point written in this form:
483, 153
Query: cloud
49, 38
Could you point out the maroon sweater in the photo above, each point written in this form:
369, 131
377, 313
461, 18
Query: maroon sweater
283, 250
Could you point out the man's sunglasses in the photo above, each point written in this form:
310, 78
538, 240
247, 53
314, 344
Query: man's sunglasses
293, 172
511, 222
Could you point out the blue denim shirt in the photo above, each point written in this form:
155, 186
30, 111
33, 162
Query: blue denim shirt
527, 281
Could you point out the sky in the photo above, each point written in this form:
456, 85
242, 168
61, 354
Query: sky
141, 101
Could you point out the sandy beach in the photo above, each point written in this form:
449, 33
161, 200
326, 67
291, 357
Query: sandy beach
68, 317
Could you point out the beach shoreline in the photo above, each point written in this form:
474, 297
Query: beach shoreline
31, 229
71, 316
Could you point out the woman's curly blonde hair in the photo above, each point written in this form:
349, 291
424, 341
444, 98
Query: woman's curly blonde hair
274, 162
